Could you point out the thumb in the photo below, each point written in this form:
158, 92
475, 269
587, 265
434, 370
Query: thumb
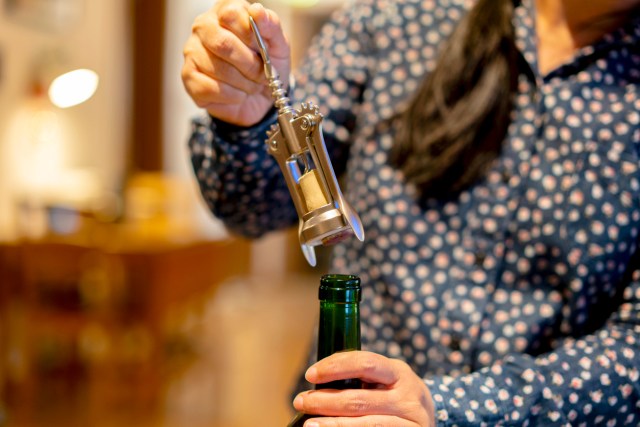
270, 28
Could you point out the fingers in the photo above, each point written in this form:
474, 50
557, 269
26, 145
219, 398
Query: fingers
223, 71
369, 421
366, 407
206, 91
201, 64
395, 392
345, 403
271, 31
369, 367
226, 39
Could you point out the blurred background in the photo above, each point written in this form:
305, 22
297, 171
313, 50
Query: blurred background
122, 301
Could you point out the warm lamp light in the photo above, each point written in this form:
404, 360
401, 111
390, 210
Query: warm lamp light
66, 84
73, 88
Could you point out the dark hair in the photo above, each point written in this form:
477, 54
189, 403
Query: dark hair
454, 127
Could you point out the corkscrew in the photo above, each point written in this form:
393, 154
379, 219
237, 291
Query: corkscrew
297, 144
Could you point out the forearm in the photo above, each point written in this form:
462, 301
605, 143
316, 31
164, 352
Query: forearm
240, 182
591, 378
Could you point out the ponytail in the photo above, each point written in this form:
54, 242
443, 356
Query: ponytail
454, 127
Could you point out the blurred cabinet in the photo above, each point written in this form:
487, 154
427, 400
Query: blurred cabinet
103, 323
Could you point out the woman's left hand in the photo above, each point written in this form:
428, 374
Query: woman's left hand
393, 396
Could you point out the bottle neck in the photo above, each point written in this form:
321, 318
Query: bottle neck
339, 330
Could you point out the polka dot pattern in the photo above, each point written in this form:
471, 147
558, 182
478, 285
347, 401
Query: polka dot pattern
514, 300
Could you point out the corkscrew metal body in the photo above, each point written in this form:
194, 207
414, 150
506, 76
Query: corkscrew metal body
297, 144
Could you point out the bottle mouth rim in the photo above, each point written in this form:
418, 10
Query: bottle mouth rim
340, 280
340, 288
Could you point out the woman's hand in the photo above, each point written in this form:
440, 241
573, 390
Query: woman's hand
222, 70
393, 395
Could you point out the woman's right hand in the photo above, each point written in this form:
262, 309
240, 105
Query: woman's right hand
223, 71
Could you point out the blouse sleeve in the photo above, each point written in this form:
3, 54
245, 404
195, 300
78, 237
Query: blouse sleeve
241, 183
586, 381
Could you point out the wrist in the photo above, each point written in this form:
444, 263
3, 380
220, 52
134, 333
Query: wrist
224, 128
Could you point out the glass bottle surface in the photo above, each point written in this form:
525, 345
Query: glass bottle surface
338, 328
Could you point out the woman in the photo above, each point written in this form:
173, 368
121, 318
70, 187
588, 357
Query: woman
491, 149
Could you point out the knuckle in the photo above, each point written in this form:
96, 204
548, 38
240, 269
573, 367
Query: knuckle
199, 100
201, 22
400, 365
188, 50
188, 81
229, 13
367, 364
185, 74
358, 406
201, 103
413, 407
221, 45
205, 95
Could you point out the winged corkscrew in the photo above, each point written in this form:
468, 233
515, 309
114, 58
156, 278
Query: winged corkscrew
297, 144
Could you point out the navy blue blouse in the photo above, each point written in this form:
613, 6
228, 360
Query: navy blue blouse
518, 301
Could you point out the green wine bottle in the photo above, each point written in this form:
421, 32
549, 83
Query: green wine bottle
339, 327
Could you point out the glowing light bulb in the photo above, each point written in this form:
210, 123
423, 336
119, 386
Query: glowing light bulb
73, 88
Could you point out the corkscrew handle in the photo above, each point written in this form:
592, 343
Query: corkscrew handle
277, 91
269, 69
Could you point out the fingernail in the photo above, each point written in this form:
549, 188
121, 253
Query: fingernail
311, 424
297, 402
